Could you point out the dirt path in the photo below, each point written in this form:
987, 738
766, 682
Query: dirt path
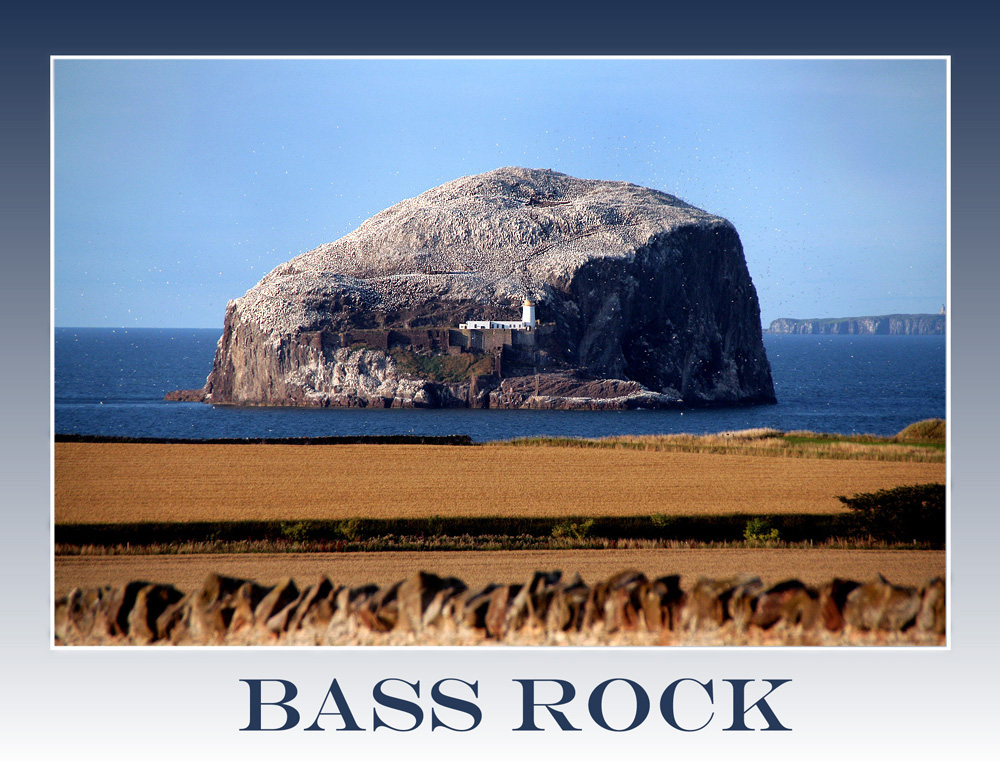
107, 483
187, 572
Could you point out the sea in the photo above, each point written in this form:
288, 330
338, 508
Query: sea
111, 382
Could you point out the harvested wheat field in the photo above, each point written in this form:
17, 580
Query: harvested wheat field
187, 572
121, 482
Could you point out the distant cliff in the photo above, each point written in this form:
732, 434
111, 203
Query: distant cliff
643, 300
887, 324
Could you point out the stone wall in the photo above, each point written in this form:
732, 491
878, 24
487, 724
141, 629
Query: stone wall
547, 609
436, 340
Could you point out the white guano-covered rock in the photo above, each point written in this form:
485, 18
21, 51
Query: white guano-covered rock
630, 284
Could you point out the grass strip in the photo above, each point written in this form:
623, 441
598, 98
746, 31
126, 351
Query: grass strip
758, 442
464, 544
811, 438
920, 442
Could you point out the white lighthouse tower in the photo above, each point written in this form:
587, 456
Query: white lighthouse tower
528, 314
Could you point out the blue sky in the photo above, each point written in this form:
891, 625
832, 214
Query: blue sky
180, 183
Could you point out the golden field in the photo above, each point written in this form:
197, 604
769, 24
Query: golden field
109, 483
188, 572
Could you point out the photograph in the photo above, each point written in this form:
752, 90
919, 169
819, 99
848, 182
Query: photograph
472, 351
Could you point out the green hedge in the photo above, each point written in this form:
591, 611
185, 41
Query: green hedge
904, 514
712, 528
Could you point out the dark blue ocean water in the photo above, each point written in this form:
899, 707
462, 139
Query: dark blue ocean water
112, 382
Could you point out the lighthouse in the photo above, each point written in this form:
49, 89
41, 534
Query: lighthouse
527, 321
528, 314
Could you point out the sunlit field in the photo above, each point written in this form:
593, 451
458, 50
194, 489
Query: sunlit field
109, 483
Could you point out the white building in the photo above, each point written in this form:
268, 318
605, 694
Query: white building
527, 321
528, 314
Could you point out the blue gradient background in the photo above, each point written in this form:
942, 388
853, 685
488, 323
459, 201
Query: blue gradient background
863, 704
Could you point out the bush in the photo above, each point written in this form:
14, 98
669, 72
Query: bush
572, 530
932, 430
295, 532
758, 531
904, 514
351, 529
662, 521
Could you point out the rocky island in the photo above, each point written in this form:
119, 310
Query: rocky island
887, 324
517, 288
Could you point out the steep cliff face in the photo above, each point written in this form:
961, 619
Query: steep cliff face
889, 324
631, 284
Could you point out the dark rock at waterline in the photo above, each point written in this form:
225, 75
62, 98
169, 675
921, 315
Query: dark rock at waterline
186, 395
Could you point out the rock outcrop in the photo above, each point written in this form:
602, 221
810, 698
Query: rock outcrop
632, 286
627, 608
888, 325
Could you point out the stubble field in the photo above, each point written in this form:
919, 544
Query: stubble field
109, 483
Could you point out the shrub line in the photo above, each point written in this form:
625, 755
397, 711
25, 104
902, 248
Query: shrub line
480, 531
